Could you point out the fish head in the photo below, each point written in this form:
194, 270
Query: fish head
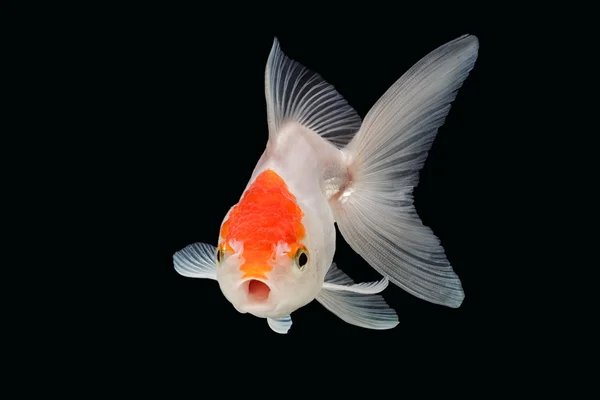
268, 260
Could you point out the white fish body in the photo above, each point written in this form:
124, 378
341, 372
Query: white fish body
321, 166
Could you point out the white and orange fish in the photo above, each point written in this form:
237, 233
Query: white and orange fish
322, 166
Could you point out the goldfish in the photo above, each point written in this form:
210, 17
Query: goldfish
323, 166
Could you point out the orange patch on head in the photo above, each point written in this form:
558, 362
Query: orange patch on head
266, 214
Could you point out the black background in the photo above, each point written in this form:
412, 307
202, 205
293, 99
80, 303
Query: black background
168, 107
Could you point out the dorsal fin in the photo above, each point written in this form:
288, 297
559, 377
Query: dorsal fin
295, 93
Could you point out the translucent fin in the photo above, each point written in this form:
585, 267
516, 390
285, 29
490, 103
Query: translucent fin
280, 325
375, 214
294, 93
196, 261
364, 310
335, 279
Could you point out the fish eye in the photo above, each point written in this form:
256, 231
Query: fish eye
219, 255
301, 257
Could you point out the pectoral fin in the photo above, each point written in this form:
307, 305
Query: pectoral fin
336, 279
196, 261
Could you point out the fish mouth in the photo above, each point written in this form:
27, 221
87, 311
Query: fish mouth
255, 296
258, 291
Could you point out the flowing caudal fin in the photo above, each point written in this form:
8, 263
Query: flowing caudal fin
196, 261
375, 211
357, 304
296, 94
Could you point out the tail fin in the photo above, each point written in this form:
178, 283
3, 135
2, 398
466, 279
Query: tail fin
375, 214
